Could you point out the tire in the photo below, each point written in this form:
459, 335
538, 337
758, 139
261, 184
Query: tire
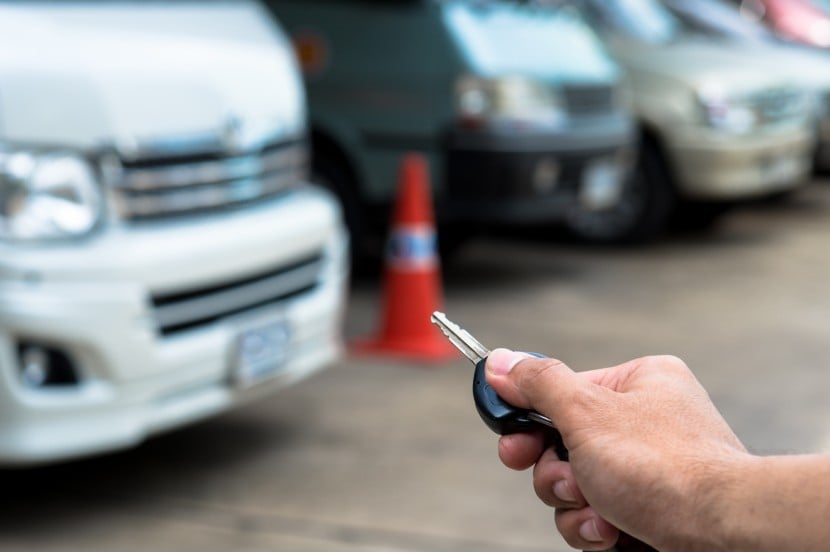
699, 216
642, 212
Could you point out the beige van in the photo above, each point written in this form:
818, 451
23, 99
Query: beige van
717, 125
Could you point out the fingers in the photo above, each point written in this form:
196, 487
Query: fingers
521, 451
553, 480
554, 483
585, 529
578, 523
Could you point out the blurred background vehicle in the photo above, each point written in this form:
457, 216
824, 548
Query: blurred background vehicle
517, 109
718, 125
161, 256
810, 69
722, 19
805, 22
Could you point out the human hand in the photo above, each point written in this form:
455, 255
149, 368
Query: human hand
649, 453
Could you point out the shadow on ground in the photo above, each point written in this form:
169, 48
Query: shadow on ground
40, 495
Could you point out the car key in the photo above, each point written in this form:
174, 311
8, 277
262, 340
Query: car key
503, 418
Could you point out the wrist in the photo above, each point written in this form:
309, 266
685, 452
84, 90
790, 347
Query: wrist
778, 503
718, 487
728, 521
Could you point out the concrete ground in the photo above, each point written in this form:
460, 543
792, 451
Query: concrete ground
377, 454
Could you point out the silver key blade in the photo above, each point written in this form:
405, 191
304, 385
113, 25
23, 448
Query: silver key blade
460, 338
474, 351
540, 418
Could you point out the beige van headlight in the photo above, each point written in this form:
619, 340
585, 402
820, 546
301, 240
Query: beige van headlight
729, 115
508, 101
47, 195
746, 113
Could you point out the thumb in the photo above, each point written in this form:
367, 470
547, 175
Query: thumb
542, 384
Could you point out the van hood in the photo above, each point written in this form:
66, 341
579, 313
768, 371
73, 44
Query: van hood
698, 64
806, 67
126, 75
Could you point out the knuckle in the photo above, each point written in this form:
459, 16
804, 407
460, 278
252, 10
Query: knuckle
584, 399
519, 451
578, 403
544, 491
546, 473
674, 362
568, 527
568, 522
554, 483
666, 363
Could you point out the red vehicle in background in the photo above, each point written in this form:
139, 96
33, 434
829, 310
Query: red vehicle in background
803, 21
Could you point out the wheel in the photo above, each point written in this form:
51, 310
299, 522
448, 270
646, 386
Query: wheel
641, 211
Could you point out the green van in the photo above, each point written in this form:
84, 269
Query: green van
518, 109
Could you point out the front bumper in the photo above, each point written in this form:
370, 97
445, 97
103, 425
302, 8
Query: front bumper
507, 179
714, 167
93, 303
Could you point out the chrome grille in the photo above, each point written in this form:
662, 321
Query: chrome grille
588, 99
780, 105
162, 187
192, 308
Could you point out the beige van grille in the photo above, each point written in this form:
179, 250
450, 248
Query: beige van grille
775, 106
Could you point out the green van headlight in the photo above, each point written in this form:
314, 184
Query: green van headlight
508, 100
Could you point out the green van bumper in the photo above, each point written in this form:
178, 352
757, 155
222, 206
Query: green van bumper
528, 179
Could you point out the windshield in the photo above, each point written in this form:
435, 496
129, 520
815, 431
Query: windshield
499, 38
645, 20
720, 17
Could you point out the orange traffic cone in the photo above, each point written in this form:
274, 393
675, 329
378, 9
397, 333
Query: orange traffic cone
412, 281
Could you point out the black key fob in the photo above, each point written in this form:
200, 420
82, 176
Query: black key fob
502, 418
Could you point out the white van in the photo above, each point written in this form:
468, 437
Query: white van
162, 257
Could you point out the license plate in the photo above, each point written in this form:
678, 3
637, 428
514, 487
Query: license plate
602, 185
260, 352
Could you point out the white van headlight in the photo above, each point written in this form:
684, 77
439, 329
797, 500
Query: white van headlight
47, 195
506, 101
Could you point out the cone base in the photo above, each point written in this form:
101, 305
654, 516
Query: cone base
414, 349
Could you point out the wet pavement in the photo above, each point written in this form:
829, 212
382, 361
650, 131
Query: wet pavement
378, 454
